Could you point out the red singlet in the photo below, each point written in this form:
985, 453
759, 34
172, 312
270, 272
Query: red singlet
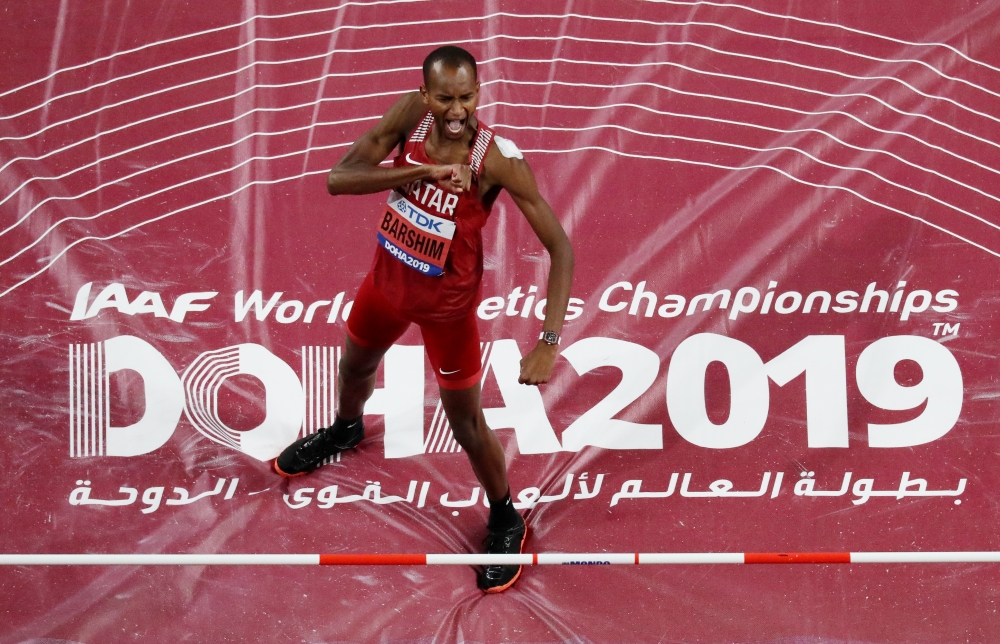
428, 267
453, 293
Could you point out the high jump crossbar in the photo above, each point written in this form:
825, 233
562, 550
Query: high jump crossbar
527, 559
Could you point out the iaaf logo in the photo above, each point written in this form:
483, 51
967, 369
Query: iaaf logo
295, 405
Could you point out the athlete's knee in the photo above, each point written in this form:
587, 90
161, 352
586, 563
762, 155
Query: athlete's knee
359, 363
356, 372
471, 433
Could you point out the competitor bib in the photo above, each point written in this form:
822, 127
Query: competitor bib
414, 237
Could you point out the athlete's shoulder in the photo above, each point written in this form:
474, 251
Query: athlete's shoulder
504, 161
507, 148
404, 115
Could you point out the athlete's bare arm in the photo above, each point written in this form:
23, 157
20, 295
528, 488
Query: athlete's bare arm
358, 171
516, 177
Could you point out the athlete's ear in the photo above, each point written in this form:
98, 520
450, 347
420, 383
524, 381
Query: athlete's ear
425, 96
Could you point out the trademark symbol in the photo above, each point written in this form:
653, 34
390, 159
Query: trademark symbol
943, 328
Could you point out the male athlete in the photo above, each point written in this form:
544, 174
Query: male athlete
448, 171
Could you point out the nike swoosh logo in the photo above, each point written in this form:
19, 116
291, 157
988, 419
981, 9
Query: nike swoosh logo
448, 373
409, 159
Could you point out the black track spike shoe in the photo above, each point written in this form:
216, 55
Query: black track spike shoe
306, 454
496, 579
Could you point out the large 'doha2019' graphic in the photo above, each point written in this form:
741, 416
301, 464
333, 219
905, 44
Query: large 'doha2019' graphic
300, 403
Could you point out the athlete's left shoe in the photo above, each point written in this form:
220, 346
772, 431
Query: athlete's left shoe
496, 579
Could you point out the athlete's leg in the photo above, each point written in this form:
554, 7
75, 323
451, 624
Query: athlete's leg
464, 410
356, 377
506, 530
371, 329
454, 351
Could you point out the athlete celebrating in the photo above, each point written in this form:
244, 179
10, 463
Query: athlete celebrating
447, 173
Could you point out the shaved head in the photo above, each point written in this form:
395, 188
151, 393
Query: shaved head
451, 57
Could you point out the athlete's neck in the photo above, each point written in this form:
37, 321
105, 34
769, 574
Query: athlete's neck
448, 150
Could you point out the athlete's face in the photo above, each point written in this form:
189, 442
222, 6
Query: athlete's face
451, 95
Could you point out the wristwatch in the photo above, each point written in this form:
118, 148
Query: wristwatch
550, 337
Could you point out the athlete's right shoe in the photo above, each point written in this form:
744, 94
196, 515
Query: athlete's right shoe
306, 454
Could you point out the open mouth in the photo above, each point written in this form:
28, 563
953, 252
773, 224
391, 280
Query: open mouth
455, 126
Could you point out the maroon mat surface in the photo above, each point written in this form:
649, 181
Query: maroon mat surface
786, 231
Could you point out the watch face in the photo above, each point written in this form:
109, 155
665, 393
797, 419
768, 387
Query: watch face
551, 337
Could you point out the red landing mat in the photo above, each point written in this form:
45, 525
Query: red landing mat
782, 337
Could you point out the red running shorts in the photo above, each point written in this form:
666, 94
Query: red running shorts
452, 347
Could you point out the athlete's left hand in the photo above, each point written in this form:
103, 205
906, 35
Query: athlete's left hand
536, 367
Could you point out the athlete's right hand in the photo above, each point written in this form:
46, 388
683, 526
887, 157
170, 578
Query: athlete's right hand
453, 178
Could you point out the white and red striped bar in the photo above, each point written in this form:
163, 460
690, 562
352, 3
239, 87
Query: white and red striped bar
542, 558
